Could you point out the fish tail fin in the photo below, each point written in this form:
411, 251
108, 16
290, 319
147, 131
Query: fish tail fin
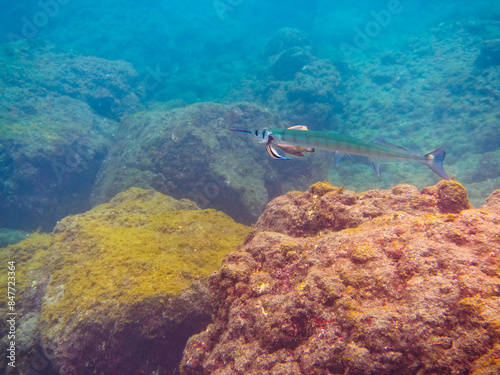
434, 160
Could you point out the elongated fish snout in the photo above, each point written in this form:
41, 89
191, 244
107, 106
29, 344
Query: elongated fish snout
246, 131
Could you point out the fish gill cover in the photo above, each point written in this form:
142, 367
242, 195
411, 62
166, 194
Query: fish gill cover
97, 97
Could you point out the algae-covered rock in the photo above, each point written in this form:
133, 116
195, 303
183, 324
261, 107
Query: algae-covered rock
298, 86
189, 153
383, 282
58, 113
48, 159
120, 288
110, 88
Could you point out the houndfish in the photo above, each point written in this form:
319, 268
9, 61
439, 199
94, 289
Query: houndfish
378, 151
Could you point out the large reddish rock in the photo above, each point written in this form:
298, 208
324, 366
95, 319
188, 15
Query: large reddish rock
384, 282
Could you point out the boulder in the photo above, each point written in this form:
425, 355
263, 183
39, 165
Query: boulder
301, 88
387, 281
58, 115
110, 88
49, 157
120, 288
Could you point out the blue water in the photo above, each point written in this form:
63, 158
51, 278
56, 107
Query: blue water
423, 73
209, 44
97, 96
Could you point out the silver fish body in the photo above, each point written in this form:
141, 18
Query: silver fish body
377, 151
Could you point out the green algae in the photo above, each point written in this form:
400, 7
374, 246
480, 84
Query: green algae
20, 129
44, 130
140, 245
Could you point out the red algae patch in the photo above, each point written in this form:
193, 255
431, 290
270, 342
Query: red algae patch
385, 282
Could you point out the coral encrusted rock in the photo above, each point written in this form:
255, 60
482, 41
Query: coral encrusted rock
120, 288
385, 282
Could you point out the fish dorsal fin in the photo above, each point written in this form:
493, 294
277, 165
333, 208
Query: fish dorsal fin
298, 127
381, 141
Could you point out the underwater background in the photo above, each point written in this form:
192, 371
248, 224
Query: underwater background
74, 75
117, 112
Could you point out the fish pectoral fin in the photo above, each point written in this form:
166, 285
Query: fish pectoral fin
273, 153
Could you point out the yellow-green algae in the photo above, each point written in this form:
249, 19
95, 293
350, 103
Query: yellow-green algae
21, 253
141, 244
43, 129
362, 252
